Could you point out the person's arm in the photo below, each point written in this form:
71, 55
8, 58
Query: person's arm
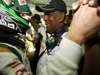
67, 56
11, 65
85, 22
64, 61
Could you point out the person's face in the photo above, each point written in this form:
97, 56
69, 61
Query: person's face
53, 20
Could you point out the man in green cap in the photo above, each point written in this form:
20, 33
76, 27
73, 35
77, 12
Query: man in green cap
13, 59
63, 53
54, 17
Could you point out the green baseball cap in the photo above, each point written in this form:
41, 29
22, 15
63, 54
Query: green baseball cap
52, 5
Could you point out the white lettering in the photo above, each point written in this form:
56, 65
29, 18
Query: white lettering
7, 22
2, 22
7, 18
12, 26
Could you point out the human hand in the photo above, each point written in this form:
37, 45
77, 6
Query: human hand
76, 4
85, 22
91, 3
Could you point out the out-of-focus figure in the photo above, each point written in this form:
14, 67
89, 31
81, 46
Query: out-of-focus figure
13, 56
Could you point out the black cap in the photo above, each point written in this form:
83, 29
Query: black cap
52, 5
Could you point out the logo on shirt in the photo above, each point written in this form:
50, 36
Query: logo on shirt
7, 22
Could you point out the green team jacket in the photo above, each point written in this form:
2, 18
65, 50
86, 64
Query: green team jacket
13, 61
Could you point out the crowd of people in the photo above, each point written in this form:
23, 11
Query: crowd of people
31, 45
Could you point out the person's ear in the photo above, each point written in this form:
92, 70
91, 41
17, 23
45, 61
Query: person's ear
62, 17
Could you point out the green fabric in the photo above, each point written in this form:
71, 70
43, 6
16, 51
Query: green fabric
24, 9
8, 9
